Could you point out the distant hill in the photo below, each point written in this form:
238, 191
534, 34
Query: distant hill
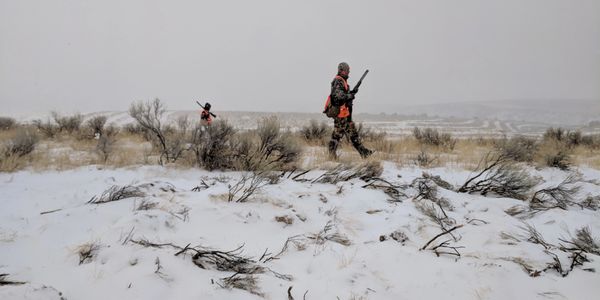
575, 112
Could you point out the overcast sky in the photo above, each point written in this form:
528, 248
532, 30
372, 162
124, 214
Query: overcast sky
277, 55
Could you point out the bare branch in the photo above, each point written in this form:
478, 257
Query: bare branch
441, 234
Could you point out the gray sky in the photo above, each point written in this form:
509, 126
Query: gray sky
277, 55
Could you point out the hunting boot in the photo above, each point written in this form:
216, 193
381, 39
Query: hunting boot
364, 152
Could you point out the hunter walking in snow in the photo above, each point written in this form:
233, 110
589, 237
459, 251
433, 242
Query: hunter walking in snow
339, 107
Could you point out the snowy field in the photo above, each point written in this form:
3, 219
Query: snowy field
347, 241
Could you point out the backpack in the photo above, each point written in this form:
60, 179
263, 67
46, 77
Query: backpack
330, 110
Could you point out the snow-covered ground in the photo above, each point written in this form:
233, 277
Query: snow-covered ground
42, 249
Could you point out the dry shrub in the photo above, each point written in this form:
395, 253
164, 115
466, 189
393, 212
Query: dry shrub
369, 135
15, 148
591, 202
560, 196
7, 123
87, 252
424, 159
344, 172
68, 124
438, 181
584, 241
246, 187
219, 146
438, 216
213, 145
247, 283
116, 193
591, 141
47, 128
428, 198
314, 131
384, 145
556, 134
21, 144
137, 130
286, 219
569, 138
501, 176
267, 148
106, 142
518, 148
329, 233
555, 154
176, 137
431, 136
95, 125
574, 138
5, 281
276, 148
168, 139
395, 192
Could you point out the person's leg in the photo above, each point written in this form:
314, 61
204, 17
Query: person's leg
336, 136
355, 139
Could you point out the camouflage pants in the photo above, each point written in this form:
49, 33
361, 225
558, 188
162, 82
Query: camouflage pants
345, 127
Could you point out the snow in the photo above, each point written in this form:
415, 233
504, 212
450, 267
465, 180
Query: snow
41, 249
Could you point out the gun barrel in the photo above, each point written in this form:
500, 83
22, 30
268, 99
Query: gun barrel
364, 75
361, 79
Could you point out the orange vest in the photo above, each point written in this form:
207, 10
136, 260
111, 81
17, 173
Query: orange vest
205, 116
344, 112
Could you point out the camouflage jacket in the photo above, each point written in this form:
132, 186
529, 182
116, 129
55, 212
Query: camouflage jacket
339, 94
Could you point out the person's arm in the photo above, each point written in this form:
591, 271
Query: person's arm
339, 96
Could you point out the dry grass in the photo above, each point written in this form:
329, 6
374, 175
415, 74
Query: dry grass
7, 134
586, 156
466, 154
67, 151
404, 151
